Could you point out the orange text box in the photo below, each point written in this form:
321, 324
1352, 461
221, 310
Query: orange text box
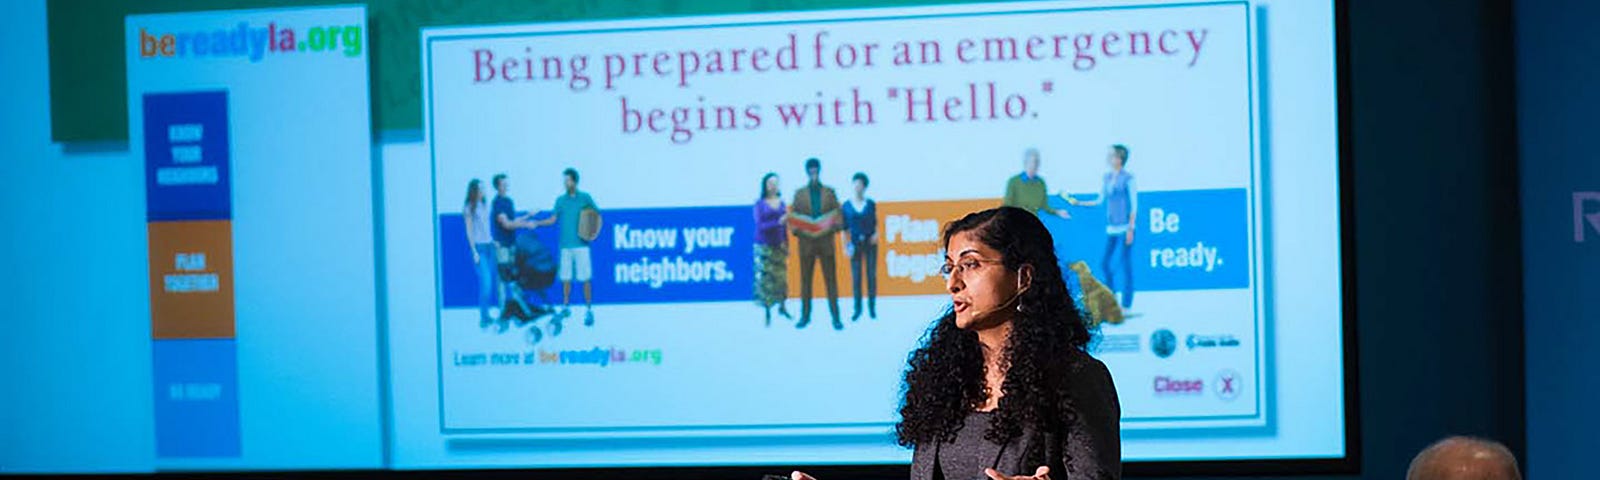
910, 237
191, 279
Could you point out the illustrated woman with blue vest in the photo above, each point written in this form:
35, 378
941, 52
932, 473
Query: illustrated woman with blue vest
1120, 194
861, 228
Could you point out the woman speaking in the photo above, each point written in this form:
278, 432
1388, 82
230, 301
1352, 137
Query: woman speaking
1002, 388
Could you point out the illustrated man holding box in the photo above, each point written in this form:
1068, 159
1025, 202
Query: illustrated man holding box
814, 219
580, 222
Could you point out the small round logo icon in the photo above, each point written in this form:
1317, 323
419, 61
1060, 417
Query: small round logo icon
1163, 342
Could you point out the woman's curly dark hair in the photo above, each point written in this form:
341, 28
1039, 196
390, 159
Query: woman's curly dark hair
1048, 336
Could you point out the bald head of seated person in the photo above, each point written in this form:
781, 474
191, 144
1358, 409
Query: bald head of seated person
1464, 458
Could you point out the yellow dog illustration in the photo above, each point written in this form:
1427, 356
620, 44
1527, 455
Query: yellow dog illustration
1102, 304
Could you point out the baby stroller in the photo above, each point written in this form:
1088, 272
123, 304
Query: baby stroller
526, 267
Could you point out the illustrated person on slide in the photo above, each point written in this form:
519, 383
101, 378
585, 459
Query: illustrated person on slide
1027, 191
1120, 194
1002, 387
505, 224
575, 263
475, 213
861, 226
816, 207
771, 249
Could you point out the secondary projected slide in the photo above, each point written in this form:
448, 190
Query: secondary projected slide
628, 243
252, 131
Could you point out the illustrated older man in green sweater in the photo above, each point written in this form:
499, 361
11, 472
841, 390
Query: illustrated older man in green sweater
1026, 190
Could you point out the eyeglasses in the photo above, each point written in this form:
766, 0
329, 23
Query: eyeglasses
966, 264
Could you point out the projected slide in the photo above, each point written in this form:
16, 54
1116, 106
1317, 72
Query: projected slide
252, 129
608, 252
598, 240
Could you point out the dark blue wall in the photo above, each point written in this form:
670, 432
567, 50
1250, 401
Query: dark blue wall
1558, 65
1437, 219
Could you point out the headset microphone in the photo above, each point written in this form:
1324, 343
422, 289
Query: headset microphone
1002, 306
